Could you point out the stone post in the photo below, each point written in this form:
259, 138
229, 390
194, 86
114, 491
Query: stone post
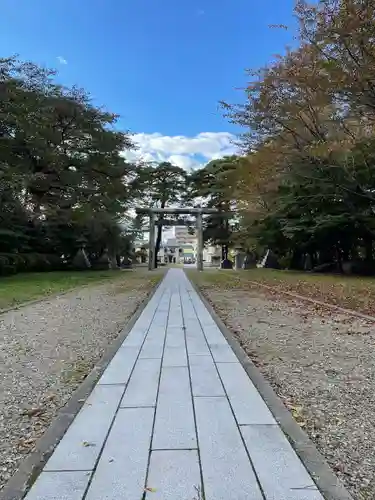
239, 259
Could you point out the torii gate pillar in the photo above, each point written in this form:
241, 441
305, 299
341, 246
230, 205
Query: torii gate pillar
198, 212
199, 227
151, 243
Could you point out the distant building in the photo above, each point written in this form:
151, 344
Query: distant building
183, 237
178, 250
173, 252
170, 252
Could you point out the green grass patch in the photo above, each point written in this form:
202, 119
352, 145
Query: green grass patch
21, 288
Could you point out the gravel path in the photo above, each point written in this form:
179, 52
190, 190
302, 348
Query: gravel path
47, 349
322, 364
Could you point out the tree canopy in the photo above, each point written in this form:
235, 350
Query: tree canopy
211, 186
62, 170
160, 185
305, 184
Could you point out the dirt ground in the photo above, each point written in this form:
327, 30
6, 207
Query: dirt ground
320, 362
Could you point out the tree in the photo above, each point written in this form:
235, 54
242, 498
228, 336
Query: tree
60, 159
212, 186
306, 184
159, 186
61, 145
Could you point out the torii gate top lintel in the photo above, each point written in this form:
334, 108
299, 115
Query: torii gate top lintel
177, 211
198, 212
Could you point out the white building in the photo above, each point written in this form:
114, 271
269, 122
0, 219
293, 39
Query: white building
182, 248
183, 237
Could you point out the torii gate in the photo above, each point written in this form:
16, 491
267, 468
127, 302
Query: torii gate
198, 212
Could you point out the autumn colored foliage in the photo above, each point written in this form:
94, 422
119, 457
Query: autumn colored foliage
306, 184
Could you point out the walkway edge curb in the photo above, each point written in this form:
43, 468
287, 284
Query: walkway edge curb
30, 468
329, 485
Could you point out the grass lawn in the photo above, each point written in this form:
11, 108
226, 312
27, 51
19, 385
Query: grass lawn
21, 288
350, 292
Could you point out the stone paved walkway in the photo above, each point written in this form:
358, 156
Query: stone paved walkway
174, 417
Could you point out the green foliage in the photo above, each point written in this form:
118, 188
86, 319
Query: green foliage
306, 188
62, 173
160, 186
212, 187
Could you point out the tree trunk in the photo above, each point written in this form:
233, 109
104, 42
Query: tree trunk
226, 251
296, 259
368, 250
157, 244
339, 259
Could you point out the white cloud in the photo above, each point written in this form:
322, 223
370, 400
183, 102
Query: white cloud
183, 161
187, 152
62, 60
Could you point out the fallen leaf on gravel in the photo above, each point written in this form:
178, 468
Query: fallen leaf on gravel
26, 443
296, 410
50, 397
297, 414
33, 412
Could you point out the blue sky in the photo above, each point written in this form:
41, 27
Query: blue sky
162, 65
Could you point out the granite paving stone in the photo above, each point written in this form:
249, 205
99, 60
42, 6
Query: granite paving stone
81, 445
59, 486
214, 336
154, 342
227, 472
175, 337
119, 369
174, 474
223, 353
143, 385
195, 340
205, 380
174, 356
174, 421
121, 472
175, 320
160, 318
152, 348
204, 316
197, 345
135, 338
280, 471
248, 405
